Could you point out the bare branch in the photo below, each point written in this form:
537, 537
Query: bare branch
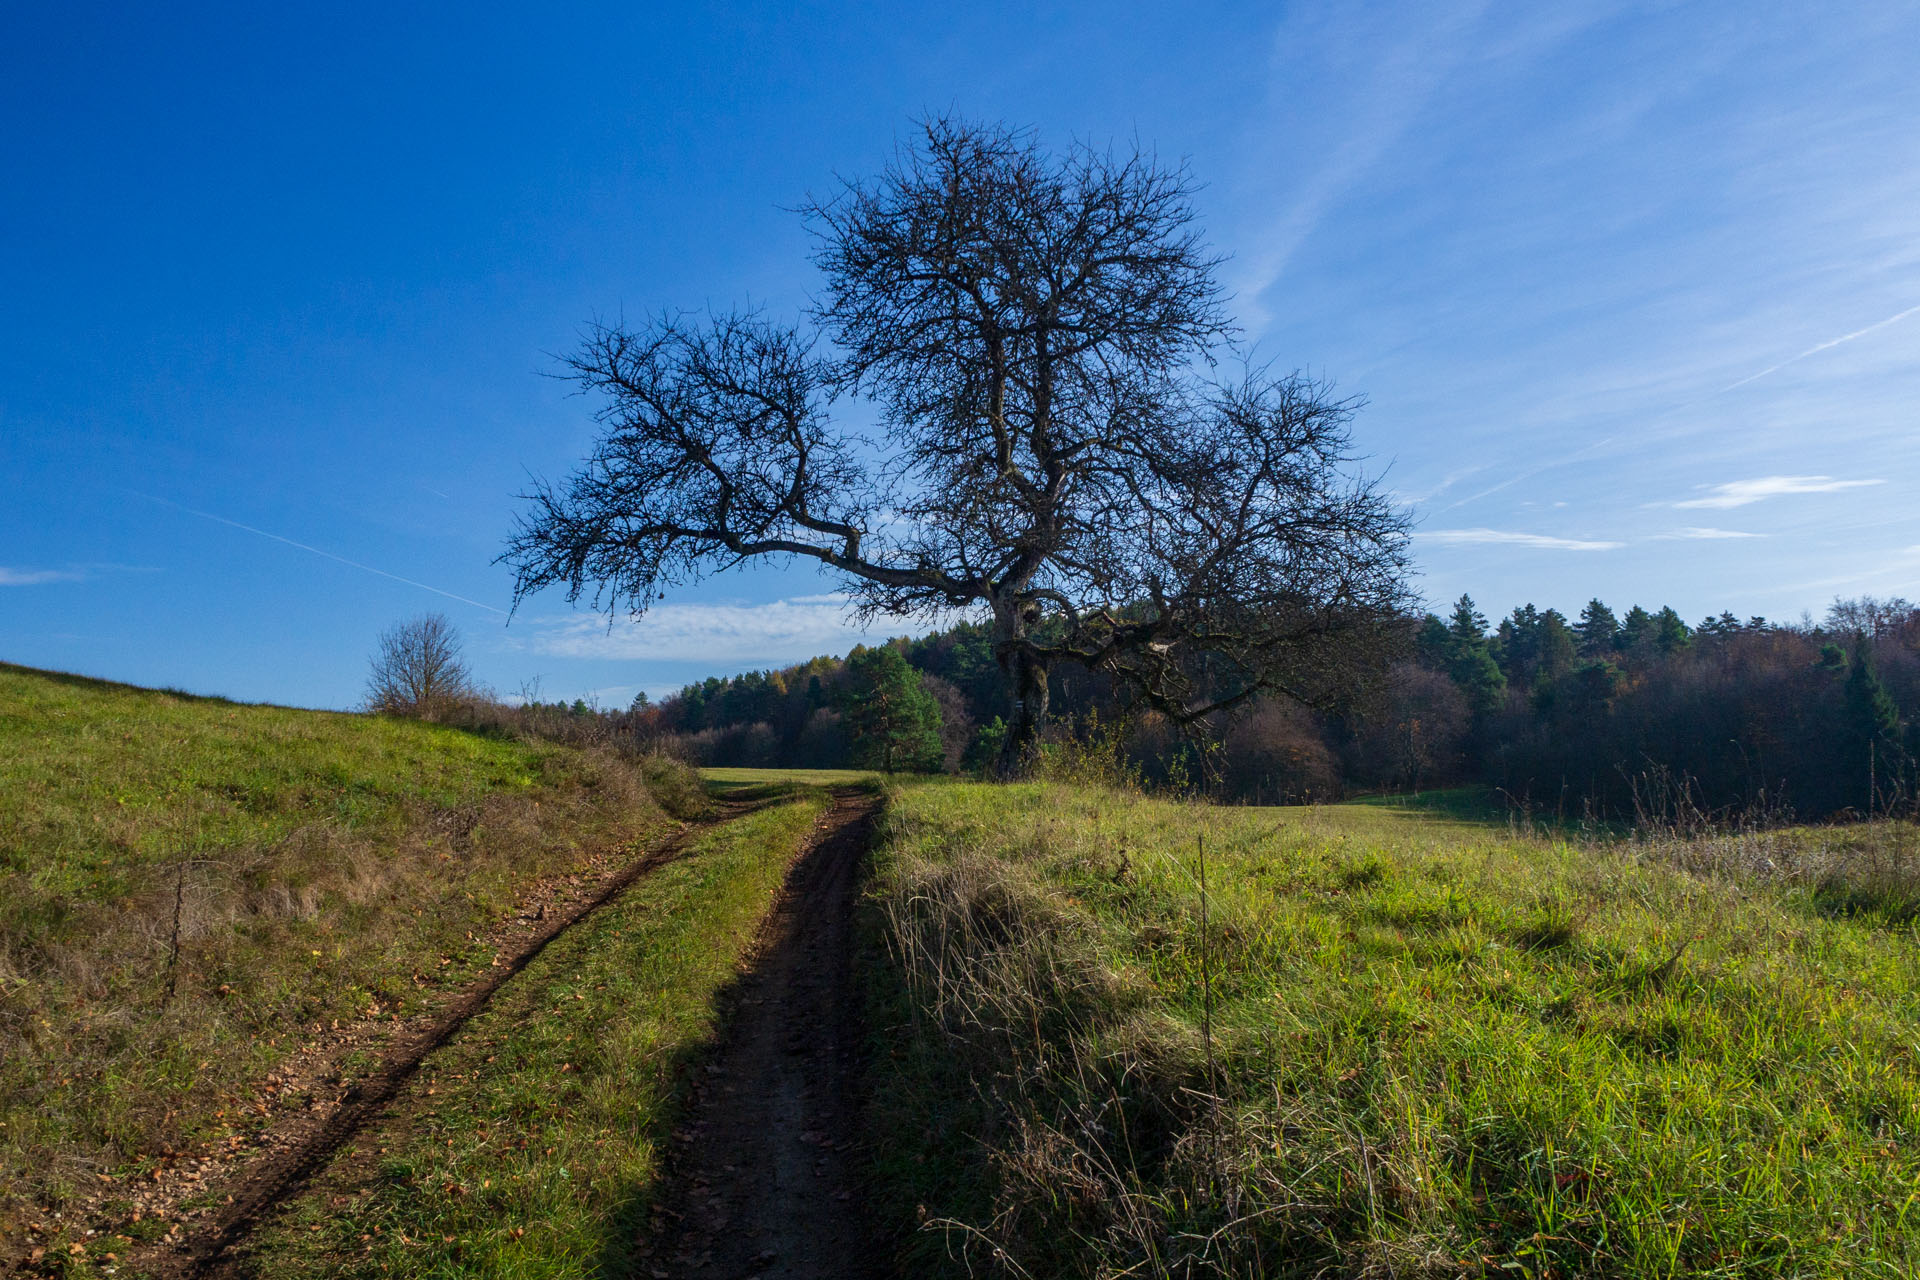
1028, 325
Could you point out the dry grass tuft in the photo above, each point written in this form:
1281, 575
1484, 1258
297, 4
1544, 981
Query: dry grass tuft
1865, 869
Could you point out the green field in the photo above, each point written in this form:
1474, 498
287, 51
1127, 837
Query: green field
1403, 1043
751, 783
320, 866
1401, 1037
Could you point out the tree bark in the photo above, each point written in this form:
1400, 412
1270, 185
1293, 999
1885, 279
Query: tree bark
1026, 676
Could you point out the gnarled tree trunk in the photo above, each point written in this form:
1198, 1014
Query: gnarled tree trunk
1026, 683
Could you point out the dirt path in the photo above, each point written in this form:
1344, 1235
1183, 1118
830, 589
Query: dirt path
303, 1143
763, 1174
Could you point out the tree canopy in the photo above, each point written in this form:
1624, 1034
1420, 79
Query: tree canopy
1037, 332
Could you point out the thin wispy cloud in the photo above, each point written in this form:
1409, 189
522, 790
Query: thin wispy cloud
773, 633
1696, 534
36, 577
1741, 493
1398, 90
1513, 538
325, 555
1894, 577
1510, 481
1828, 345
1414, 499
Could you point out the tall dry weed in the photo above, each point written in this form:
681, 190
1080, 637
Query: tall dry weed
1105, 1141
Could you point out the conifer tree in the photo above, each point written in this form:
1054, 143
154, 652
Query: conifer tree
1597, 630
1533, 646
1515, 644
1468, 624
1433, 644
1471, 663
1719, 627
1878, 758
890, 720
1670, 634
1554, 654
1636, 632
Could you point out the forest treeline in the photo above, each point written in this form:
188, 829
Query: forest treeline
1609, 714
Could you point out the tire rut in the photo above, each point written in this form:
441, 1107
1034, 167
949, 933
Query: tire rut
208, 1251
764, 1176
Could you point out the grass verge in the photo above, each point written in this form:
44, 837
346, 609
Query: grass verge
190, 888
529, 1145
1397, 1047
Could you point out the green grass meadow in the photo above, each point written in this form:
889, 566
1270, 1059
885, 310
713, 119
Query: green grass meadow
755, 784
1401, 1037
1405, 1043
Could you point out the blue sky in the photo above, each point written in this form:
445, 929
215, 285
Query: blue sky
1633, 291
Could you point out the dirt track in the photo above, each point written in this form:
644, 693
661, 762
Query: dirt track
764, 1170
762, 1179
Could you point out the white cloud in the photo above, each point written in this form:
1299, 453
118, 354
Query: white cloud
1696, 534
1475, 537
35, 577
1739, 493
777, 632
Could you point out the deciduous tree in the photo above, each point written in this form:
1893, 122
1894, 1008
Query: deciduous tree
418, 671
1035, 330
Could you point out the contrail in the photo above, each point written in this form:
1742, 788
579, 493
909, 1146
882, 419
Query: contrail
1819, 347
1575, 456
1682, 408
352, 564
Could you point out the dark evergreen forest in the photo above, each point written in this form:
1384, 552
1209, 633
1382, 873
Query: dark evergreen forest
1613, 715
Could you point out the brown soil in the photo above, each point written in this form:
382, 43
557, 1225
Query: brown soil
302, 1137
763, 1178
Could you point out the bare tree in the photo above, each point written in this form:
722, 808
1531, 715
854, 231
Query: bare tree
1034, 330
1869, 617
418, 671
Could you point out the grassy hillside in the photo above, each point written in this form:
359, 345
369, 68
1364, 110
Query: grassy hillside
1392, 1043
533, 1146
188, 886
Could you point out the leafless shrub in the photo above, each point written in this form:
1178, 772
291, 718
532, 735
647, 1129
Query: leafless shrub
1277, 754
1869, 617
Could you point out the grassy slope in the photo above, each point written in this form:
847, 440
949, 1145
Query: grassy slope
323, 864
1440, 1050
530, 1145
